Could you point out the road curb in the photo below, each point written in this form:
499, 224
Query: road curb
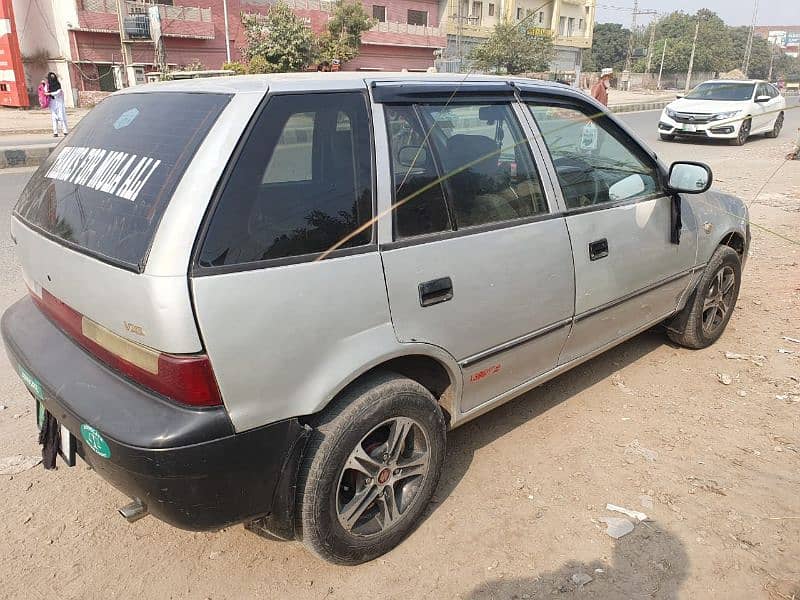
638, 106
25, 156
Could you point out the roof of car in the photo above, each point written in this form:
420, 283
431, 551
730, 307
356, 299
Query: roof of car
242, 84
735, 81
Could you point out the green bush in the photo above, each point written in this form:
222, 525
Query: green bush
237, 67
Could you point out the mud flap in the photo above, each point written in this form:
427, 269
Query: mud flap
677, 323
279, 524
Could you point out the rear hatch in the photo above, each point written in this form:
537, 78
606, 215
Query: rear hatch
84, 226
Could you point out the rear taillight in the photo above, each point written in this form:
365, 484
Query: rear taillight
188, 379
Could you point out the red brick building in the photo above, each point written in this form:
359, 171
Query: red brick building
82, 37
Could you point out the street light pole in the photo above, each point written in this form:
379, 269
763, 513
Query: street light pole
661, 68
227, 36
691, 58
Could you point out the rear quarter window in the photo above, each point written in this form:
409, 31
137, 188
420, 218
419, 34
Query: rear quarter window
104, 189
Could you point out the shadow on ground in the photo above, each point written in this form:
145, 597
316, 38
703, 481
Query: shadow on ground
648, 563
464, 441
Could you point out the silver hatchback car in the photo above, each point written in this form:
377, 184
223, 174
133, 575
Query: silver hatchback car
267, 299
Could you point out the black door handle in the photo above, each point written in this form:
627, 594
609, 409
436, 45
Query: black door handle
598, 249
435, 291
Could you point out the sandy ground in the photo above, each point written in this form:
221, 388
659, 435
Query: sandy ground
516, 514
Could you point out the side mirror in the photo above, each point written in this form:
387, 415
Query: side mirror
763, 98
411, 156
690, 177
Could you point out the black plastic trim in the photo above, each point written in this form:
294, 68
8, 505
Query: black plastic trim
511, 344
281, 262
634, 294
387, 92
446, 235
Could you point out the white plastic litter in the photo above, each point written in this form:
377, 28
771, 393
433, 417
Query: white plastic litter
633, 514
617, 526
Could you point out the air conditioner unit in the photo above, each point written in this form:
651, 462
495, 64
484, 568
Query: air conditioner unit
137, 27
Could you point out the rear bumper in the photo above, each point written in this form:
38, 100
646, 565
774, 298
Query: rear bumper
187, 465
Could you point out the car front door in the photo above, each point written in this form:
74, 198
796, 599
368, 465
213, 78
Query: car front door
628, 272
477, 262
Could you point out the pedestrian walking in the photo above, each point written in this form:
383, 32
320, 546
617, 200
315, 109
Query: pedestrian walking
600, 89
57, 110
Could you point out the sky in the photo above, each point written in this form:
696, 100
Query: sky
733, 12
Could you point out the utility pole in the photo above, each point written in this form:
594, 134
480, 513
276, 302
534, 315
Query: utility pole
650, 47
661, 68
634, 14
749, 48
691, 58
771, 60
126, 58
227, 35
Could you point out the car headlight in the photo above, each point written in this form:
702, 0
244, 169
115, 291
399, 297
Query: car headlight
670, 113
725, 115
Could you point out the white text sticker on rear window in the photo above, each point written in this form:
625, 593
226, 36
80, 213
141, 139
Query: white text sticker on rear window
117, 173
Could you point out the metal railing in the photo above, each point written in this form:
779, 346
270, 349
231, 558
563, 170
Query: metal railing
405, 28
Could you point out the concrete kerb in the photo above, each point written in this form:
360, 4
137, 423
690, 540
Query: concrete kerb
25, 156
638, 106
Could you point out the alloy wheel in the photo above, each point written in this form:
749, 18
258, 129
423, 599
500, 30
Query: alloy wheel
719, 299
382, 477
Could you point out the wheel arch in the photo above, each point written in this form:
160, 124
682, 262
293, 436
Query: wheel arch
428, 365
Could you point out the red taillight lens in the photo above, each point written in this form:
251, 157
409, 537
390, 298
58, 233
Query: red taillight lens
188, 379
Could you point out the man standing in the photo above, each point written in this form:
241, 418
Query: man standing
600, 89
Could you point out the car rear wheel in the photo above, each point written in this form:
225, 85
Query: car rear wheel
776, 128
709, 309
371, 467
666, 137
744, 133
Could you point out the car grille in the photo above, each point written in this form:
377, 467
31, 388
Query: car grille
696, 118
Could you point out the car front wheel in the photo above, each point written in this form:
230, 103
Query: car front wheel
744, 133
776, 128
709, 309
371, 467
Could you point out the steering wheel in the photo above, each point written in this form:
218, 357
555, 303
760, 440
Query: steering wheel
581, 183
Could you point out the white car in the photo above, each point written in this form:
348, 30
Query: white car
725, 109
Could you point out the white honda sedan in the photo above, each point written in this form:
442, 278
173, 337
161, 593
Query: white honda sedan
722, 109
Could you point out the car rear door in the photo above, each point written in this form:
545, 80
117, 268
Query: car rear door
477, 259
628, 272
287, 279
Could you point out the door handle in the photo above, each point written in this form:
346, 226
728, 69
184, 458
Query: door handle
598, 249
435, 291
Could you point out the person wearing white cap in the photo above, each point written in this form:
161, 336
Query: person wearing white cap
600, 89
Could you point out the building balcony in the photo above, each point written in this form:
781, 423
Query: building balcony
470, 26
176, 21
391, 33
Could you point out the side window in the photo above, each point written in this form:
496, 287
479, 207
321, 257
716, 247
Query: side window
302, 184
490, 175
419, 205
595, 162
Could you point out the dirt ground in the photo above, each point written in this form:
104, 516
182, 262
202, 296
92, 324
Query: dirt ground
516, 514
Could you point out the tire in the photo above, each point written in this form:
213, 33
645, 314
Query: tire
744, 133
666, 137
776, 128
702, 326
361, 423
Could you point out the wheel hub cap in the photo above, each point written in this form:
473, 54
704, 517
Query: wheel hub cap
382, 477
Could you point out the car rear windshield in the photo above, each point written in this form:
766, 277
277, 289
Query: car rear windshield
104, 189
735, 92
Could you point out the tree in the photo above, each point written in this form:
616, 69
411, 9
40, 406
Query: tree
511, 49
342, 39
283, 40
714, 43
609, 48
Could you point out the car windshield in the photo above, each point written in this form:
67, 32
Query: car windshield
722, 91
